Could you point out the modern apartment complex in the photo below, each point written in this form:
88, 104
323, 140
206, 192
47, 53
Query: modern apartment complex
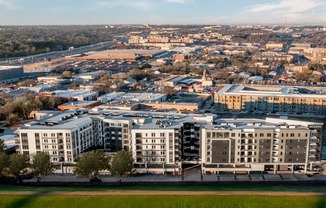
270, 99
249, 145
162, 142
64, 136
317, 55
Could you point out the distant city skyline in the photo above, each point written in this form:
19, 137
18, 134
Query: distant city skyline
66, 12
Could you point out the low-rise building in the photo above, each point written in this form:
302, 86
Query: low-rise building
78, 105
9, 74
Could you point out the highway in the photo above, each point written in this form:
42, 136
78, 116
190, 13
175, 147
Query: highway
56, 54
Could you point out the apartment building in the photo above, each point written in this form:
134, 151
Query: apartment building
317, 55
273, 57
64, 137
162, 142
116, 133
250, 145
270, 99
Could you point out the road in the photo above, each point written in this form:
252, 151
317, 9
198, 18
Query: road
57, 54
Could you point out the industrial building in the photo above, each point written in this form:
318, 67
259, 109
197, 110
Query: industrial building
9, 74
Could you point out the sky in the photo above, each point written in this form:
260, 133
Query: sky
66, 12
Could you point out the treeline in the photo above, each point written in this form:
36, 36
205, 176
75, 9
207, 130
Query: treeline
28, 40
21, 107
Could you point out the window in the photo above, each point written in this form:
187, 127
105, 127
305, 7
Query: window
208, 135
261, 134
269, 135
232, 134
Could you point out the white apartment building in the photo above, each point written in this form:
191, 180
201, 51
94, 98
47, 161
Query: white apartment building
161, 142
63, 137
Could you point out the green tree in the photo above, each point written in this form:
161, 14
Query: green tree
4, 162
122, 164
91, 163
18, 163
42, 164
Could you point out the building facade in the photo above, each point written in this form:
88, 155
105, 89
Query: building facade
9, 74
257, 146
273, 99
162, 142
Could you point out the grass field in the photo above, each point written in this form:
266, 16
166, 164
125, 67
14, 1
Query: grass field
161, 202
213, 187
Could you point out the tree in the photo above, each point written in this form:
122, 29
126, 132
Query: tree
170, 91
42, 164
74, 86
67, 74
26, 83
122, 164
91, 163
17, 164
11, 119
2, 146
4, 162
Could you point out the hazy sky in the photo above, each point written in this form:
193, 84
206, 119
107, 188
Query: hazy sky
31, 12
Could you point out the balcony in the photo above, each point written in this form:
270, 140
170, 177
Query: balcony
314, 138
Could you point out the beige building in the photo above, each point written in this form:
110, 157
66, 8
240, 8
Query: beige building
176, 106
271, 99
249, 145
278, 46
317, 55
273, 57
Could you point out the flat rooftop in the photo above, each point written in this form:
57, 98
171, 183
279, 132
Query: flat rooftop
10, 67
267, 91
139, 97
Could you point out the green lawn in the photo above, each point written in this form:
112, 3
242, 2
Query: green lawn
213, 187
160, 201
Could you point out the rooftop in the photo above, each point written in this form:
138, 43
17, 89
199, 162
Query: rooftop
10, 67
271, 91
